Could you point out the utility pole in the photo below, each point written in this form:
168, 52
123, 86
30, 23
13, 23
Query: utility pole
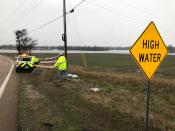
64, 37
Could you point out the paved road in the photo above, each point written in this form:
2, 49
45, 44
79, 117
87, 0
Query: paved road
8, 101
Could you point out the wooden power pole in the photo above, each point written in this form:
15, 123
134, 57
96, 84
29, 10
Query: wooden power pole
65, 28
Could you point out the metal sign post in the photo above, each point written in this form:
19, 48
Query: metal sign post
147, 106
148, 52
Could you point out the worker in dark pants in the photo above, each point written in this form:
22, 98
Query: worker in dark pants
61, 65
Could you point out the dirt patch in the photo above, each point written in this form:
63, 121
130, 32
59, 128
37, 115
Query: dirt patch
31, 94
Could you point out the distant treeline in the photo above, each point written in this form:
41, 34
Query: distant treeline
8, 47
93, 48
171, 49
86, 48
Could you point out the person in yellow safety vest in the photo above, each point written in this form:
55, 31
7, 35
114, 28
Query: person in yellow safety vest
61, 65
35, 60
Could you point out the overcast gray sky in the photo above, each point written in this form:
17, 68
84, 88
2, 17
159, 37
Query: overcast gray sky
94, 22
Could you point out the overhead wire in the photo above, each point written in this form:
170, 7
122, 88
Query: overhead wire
15, 11
101, 5
122, 11
71, 31
75, 30
134, 7
51, 21
30, 10
23, 10
78, 4
47, 23
12, 21
114, 11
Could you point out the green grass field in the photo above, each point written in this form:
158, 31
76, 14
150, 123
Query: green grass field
52, 105
117, 62
106, 60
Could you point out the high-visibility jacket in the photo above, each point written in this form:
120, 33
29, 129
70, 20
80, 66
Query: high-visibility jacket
61, 63
34, 59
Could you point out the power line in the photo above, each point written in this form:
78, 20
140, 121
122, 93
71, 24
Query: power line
30, 10
75, 29
14, 20
71, 29
51, 21
79, 4
134, 7
15, 10
111, 10
123, 11
127, 12
23, 11
101, 5
143, 11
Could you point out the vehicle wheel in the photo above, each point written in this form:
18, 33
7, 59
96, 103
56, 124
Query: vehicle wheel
31, 70
17, 71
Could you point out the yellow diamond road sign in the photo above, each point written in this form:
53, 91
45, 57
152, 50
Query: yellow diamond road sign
149, 50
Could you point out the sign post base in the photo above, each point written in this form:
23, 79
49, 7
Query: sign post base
147, 106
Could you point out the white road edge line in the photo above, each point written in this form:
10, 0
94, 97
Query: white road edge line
3, 86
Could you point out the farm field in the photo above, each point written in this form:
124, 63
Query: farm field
46, 103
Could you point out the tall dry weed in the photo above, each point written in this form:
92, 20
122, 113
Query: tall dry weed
158, 85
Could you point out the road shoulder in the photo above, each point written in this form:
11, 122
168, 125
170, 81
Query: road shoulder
9, 105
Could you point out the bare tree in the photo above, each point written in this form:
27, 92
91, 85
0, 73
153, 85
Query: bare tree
23, 42
18, 41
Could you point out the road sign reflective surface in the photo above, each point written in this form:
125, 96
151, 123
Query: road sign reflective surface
149, 50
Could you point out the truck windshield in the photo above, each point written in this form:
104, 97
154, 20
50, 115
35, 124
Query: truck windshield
24, 59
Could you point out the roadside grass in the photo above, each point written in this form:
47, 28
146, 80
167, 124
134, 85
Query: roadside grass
69, 108
120, 104
133, 88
